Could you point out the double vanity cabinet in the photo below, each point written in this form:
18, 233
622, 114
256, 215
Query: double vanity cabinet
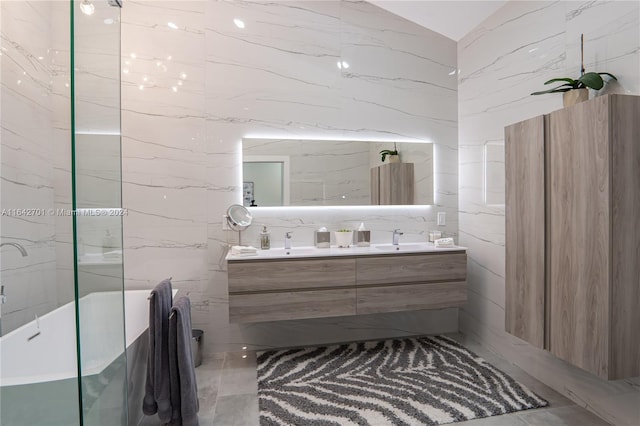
314, 283
573, 234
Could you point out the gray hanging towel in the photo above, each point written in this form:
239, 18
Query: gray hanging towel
184, 390
157, 391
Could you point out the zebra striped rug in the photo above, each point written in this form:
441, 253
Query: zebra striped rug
417, 381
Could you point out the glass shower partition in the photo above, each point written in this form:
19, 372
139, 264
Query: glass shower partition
62, 333
98, 220
38, 377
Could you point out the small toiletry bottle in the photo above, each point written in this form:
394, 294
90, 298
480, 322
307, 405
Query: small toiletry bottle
107, 242
265, 238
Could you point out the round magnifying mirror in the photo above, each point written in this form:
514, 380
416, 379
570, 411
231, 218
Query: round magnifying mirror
238, 217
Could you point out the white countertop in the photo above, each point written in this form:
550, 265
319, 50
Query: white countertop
99, 259
373, 250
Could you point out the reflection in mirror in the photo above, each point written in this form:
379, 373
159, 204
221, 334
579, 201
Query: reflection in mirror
494, 183
287, 172
271, 175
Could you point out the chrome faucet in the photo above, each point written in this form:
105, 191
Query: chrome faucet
287, 240
396, 236
23, 252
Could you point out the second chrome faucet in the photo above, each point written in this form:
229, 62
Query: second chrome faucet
396, 236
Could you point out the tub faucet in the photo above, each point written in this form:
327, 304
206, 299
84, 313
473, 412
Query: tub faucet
23, 252
396, 236
287, 240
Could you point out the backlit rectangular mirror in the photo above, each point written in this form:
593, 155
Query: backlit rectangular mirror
303, 172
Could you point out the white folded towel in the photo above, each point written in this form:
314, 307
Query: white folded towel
444, 242
243, 250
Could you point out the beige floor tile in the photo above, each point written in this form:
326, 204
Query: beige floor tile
237, 410
239, 375
561, 416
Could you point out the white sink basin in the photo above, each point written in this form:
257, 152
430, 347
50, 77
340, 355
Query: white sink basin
294, 251
405, 247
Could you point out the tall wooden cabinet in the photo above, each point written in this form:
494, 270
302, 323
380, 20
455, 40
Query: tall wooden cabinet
573, 234
392, 184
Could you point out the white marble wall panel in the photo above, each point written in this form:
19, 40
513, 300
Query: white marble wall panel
275, 78
278, 77
399, 82
96, 59
98, 168
163, 148
35, 105
61, 135
502, 61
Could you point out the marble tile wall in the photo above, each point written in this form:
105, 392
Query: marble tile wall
35, 159
211, 83
502, 61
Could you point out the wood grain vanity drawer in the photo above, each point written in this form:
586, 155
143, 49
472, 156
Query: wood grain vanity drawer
291, 305
411, 268
249, 276
409, 297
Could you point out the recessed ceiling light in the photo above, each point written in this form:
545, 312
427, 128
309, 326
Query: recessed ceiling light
239, 23
345, 64
109, 21
452, 72
172, 25
339, 64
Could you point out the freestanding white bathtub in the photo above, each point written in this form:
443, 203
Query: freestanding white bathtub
38, 369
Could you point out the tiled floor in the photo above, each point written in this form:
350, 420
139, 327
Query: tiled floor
228, 391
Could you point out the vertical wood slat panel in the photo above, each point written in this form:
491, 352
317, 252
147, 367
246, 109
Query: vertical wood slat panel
525, 230
579, 231
395, 184
375, 186
625, 237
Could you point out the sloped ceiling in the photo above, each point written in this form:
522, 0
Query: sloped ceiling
451, 18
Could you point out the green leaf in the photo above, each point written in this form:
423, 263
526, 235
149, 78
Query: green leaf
570, 81
562, 88
558, 89
613, 77
592, 80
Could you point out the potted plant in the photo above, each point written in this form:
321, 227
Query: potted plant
391, 153
344, 237
577, 90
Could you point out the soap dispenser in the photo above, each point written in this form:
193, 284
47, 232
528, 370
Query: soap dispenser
107, 242
362, 236
265, 238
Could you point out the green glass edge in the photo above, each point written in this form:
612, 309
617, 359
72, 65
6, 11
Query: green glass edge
73, 208
125, 404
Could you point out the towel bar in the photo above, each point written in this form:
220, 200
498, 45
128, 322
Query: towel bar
149, 298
